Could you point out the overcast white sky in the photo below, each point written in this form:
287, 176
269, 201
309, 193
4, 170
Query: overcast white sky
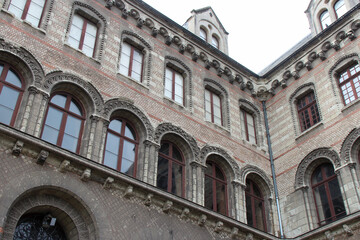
260, 31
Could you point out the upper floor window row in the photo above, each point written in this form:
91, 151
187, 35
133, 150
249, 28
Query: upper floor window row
326, 18
349, 83
30, 10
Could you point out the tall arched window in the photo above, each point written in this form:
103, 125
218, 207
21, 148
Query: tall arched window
215, 42
325, 19
255, 207
171, 169
340, 8
121, 147
11, 90
215, 188
327, 194
64, 122
203, 34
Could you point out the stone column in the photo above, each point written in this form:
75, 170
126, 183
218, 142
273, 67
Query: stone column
355, 180
90, 148
197, 176
239, 201
41, 115
105, 124
27, 113
150, 162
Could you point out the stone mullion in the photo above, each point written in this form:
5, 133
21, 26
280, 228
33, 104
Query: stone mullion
197, 175
41, 115
90, 148
344, 194
150, 162
105, 125
32, 93
239, 201
355, 180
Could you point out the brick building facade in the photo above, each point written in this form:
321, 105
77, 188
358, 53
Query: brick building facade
118, 123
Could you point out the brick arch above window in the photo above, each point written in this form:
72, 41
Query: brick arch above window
259, 176
87, 93
180, 67
350, 147
311, 161
112, 107
139, 44
94, 17
298, 95
216, 88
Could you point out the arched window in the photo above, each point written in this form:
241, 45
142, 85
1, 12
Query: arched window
325, 19
340, 8
215, 188
64, 122
171, 169
327, 195
31, 10
203, 34
39, 226
307, 111
215, 42
11, 90
349, 83
255, 208
121, 147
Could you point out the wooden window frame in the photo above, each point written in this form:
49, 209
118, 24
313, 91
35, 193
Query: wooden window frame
6, 68
170, 160
349, 80
122, 137
325, 181
260, 198
215, 180
26, 9
245, 113
307, 108
66, 112
212, 106
173, 72
131, 60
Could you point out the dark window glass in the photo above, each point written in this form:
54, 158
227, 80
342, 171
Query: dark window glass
327, 194
64, 122
215, 189
38, 226
171, 169
121, 147
308, 111
11, 90
349, 83
255, 208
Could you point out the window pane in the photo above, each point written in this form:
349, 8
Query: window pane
5, 115
112, 143
162, 176
336, 197
209, 203
176, 179
128, 158
115, 125
74, 108
73, 126
52, 125
249, 212
75, 31
220, 198
89, 39
129, 132
322, 203
325, 19
9, 97
110, 160
340, 8
59, 100
50, 134
69, 142
17, 7
219, 173
176, 154
13, 79
164, 149
35, 11
259, 214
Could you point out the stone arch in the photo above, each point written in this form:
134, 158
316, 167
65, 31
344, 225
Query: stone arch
113, 105
188, 78
307, 164
93, 14
37, 190
262, 180
232, 165
56, 78
166, 128
352, 141
31, 63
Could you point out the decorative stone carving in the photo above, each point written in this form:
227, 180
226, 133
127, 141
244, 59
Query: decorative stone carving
245, 171
86, 175
149, 23
109, 4
170, 128
119, 4
202, 220
249, 236
296, 75
238, 78
322, 55
215, 64
194, 56
340, 36
220, 72
336, 45
348, 143
287, 75
249, 85
207, 64
124, 13
351, 35
135, 14
190, 48
140, 22
108, 182
163, 32
355, 25
27, 57
298, 66
219, 227
148, 199
64, 166
168, 40
119, 104
176, 40
326, 46
312, 56
308, 65
203, 56
154, 32
53, 78
18, 146
182, 48
129, 191
41, 158
283, 83
207, 150
234, 232
185, 213
310, 158
167, 206
349, 232
329, 235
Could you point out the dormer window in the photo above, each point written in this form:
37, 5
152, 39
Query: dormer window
325, 19
215, 42
340, 8
203, 34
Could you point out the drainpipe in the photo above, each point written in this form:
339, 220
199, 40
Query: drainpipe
273, 169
